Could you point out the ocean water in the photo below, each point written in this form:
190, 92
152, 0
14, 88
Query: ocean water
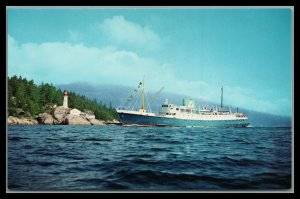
109, 158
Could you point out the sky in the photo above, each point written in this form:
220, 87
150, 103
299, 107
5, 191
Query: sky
190, 51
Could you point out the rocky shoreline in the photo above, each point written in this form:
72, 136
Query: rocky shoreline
11, 120
61, 116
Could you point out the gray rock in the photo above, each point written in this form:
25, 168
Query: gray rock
60, 114
21, 121
33, 122
45, 118
96, 122
76, 120
55, 121
12, 120
87, 116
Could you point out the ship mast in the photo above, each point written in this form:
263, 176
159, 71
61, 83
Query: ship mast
143, 97
221, 97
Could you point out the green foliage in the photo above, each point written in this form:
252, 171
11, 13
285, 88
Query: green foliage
26, 98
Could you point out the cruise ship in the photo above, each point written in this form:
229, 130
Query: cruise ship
184, 115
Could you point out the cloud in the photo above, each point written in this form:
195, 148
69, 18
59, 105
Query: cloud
74, 36
123, 32
11, 40
58, 63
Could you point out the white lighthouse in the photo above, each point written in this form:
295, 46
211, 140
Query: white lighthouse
65, 104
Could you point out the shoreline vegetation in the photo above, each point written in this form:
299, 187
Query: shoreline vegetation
31, 104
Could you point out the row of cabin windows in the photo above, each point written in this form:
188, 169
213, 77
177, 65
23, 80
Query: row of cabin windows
208, 121
170, 113
166, 106
177, 109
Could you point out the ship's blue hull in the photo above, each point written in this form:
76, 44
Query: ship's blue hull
163, 121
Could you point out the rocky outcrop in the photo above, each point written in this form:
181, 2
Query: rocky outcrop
60, 114
45, 118
76, 120
96, 122
75, 111
21, 121
113, 122
88, 114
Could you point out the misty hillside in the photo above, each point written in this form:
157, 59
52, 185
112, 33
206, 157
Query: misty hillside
117, 95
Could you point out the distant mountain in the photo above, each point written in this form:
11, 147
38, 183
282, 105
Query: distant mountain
116, 96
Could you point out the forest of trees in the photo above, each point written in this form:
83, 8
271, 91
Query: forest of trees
27, 99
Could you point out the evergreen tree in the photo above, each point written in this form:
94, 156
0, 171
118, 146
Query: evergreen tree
26, 97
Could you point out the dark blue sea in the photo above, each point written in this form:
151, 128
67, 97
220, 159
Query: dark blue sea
111, 158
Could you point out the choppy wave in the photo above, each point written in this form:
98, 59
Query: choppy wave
148, 158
